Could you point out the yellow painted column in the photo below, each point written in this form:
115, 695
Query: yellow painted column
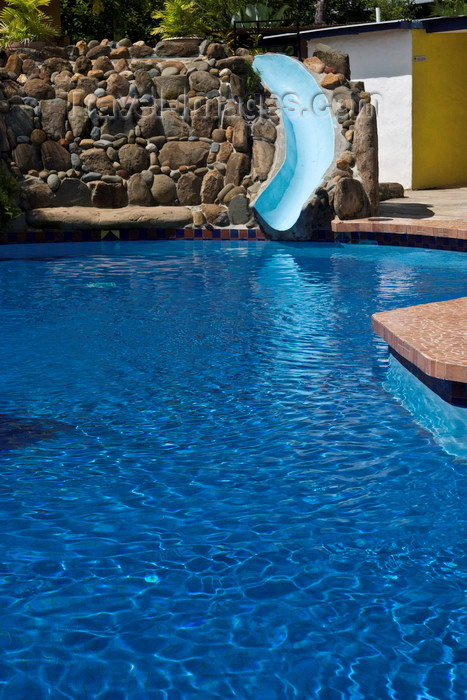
439, 109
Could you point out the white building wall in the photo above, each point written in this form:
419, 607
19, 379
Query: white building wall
383, 60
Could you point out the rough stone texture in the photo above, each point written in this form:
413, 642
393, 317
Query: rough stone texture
138, 191
237, 64
200, 81
163, 189
240, 136
333, 58
72, 193
264, 129
117, 85
178, 47
76, 218
212, 184
239, 210
140, 51
202, 123
34, 193
4, 143
390, 190
217, 51
188, 189
54, 64
14, 64
133, 158
238, 166
224, 153
97, 161
79, 121
350, 200
87, 84
97, 51
20, 119
106, 195
175, 154
118, 124
27, 157
331, 81
143, 82
54, 114
54, 156
170, 87
64, 81
83, 65
37, 88
174, 126
314, 64
262, 159
365, 149
151, 125
215, 214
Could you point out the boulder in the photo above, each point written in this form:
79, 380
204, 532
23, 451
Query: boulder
80, 124
77, 218
239, 210
39, 89
133, 158
14, 64
350, 200
103, 63
97, 51
262, 159
188, 189
238, 166
35, 194
87, 84
177, 153
54, 114
54, 156
169, 87
73, 193
163, 189
10, 89
38, 137
97, 161
20, 119
240, 136
224, 152
215, 215
390, 190
56, 64
330, 81
140, 50
174, 125
117, 85
143, 82
217, 51
151, 125
201, 81
202, 123
138, 191
212, 184
4, 143
237, 64
64, 81
83, 65
178, 47
365, 149
106, 195
27, 157
333, 58
264, 129
314, 64
119, 124
30, 67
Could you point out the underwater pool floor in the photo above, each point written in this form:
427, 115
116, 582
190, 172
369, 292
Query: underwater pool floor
206, 489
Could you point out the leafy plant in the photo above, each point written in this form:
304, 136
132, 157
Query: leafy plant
21, 20
8, 191
449, 8
261, 12
209, 18
112, 19
394, 9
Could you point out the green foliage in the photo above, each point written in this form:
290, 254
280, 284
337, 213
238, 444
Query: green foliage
24, 20
111, 19
449, 8
8, 191
209, 18
395, 9
261, 12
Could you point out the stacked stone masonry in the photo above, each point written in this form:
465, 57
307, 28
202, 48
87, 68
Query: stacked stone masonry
110, 124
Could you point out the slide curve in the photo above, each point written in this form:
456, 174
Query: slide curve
309, 140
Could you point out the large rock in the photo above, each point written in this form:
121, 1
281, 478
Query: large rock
350, 200
27, 157
97, 51
225, 151
54, 156
178, 47
73, 193
212, 184
202, 123
174, 125
264, 129
238, 166
262, 159
56, 64
143, 82
34, 194
39, 89
87, 84
237, 64
80, 124
54, 113
83, 65
174, 154
14, 64
103, 63
4, 143
151, 125
188, 189
78, 218
239, 210
333, 58
106, 195
97, 161
118, 124
169, 87
138, 191
365, 149
201, 81
133, 158
240, 136
64, 81
217, 51
117, 85
20, 119
163, 189
215, 214
140, 51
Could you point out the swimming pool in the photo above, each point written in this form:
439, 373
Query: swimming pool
207, 491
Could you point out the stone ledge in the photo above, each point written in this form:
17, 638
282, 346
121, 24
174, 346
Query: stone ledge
72, 218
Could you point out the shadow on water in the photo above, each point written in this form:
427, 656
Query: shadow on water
17, 432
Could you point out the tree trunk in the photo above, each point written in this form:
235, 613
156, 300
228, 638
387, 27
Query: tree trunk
320, 11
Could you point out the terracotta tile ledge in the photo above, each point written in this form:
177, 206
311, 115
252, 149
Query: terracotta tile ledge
455, 228
432, 337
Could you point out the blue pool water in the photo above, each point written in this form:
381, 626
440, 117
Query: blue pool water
207, 491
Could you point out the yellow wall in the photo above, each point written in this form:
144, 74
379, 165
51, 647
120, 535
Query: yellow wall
439, 111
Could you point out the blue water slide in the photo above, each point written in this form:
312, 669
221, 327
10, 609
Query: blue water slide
309, 140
